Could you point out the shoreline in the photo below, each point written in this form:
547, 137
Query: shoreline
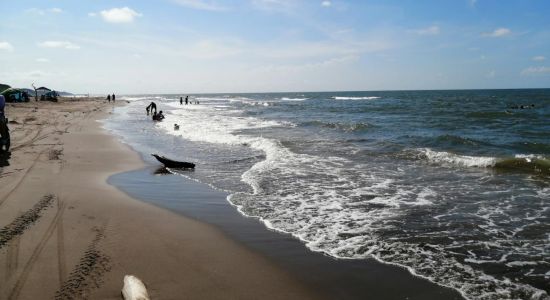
67, 233
344, 278
331, 277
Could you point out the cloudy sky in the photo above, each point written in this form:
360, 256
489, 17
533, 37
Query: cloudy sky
192, 46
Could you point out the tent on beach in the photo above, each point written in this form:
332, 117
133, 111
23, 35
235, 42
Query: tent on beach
46, 94
15, 95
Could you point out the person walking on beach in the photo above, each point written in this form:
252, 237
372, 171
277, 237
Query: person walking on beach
181, 100
186, 100
109, 98
113, 97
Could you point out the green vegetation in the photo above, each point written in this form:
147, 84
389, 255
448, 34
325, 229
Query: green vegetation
4, 87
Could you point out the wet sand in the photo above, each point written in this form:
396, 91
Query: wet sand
330, 277
67, 234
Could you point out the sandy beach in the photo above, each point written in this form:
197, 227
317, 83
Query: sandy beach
65, 233
330, 149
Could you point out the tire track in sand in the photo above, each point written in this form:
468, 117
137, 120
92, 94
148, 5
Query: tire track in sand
14, 294
18, 226
88, 273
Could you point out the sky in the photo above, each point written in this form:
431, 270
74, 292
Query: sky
231, 46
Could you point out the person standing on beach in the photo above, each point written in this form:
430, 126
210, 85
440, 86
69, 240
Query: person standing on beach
186, 100
113, 97
2, 106
109, 98
4, 130
181, 100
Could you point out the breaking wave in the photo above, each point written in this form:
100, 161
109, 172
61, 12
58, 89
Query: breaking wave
525, 163
355, 98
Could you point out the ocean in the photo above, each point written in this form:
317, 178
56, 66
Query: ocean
452, 185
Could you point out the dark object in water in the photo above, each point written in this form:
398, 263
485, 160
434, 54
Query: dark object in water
173, 163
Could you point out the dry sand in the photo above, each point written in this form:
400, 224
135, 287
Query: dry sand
66, 234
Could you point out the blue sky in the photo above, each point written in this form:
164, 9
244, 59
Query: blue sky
194, 46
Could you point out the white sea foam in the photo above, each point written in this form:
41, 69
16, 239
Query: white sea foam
443, 157
521, 263
212, 98
293, 99
529, 157
341, 209
145, 97
354, 98
130, 98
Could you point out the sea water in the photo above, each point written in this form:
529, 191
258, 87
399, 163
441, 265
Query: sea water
452, 185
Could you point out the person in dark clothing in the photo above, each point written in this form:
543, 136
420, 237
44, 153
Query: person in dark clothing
186, 100
109, 98
150, 108
181, 100
158, 117
4, 130
113, 97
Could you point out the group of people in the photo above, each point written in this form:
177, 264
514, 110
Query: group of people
187, 101
109, 98
152, 109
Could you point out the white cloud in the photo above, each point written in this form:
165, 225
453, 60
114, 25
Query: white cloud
5, 46
533, 71
200, 4
56, 10
432, 30
92, 14
499, 32
539, 58
58, 44
42, 60
326, 3
120, 15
